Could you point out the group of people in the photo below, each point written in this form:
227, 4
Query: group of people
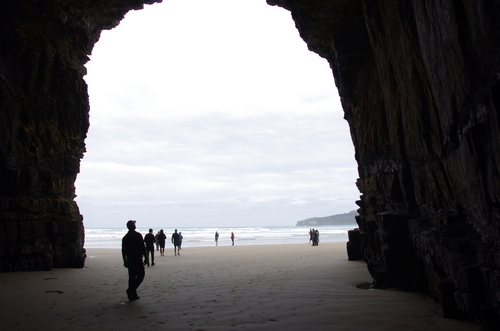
136, 252
135, 248
217, 238
160, 238
314, 237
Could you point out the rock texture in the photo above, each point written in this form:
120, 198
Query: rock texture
420, 87
43, 123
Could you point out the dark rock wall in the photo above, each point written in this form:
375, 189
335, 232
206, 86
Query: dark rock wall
420, 87
43, 123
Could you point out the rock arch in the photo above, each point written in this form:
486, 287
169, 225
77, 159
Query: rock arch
419, 83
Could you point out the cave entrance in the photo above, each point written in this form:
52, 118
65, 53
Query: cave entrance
204, 118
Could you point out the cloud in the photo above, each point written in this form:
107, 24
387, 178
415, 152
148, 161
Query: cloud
212, 113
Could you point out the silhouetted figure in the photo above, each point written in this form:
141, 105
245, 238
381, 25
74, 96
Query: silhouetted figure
149, 239
232, 238
180, 240
161, 242
176, 242
156, 241
132, 252
310, 235
216, 238
315, 237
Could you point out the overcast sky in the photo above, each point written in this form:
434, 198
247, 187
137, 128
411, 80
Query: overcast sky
212, 113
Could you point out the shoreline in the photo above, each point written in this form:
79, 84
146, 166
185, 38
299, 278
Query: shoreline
246, 287
228, 244
204, 236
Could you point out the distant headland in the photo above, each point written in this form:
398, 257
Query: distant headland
339, 219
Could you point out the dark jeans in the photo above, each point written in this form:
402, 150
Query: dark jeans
152, 251
135, 276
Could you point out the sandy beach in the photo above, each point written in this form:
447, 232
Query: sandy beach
286, 287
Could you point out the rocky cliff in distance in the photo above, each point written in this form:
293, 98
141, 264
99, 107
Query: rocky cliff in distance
420, 88
338, 219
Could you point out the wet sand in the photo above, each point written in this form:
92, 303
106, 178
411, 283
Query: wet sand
286, 287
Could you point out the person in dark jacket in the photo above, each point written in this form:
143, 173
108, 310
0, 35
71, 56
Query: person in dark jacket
156, 241
133, 250
161, 241
149, 240
180, 240
176, 241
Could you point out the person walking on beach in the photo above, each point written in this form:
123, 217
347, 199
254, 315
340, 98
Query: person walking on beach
161, 242
149, 240
175, 241
180, 240
232, 238
216, 238
133, 250
310, 235
156, 241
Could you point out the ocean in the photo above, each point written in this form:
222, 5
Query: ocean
205, 236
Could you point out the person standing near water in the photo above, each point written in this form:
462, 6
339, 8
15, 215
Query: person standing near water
156, 241
180, 240
133, 250
315, 235
232, 238
176, 242
161, 241
149, 240
216, 238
